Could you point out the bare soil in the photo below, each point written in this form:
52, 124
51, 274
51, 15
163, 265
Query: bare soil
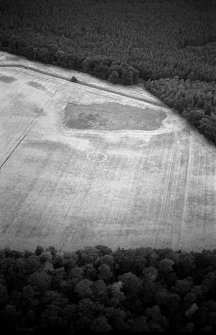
112, 116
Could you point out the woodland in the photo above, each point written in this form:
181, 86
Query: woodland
96, 289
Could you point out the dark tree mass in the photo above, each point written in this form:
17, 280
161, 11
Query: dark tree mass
135, 290
170, 45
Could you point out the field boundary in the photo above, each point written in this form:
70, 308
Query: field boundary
80, 82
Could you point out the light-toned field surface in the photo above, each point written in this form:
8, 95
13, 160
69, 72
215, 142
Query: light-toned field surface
149, 182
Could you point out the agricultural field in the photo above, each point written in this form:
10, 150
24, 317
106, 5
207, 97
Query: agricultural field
82, 166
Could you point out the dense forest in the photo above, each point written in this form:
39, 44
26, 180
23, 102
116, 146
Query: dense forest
169, 45
97, 289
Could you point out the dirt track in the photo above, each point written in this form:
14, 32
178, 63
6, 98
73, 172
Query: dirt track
72, 187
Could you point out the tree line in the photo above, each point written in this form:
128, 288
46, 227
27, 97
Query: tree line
100, 290
125, 42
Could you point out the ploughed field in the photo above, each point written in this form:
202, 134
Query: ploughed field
82, 166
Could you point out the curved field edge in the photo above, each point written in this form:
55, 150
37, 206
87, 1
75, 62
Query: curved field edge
4, 63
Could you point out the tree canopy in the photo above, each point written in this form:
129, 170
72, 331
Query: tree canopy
102, 290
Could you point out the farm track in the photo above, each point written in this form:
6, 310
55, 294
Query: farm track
19, 141
24, 133
79, 82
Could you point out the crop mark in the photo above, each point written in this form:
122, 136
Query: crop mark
47, 145
36, 85
96, 156
167, 193
188, 168
26, 131
7, 79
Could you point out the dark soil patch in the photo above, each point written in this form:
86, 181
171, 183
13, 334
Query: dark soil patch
36, 85
47, 145
6, 79
112, 116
